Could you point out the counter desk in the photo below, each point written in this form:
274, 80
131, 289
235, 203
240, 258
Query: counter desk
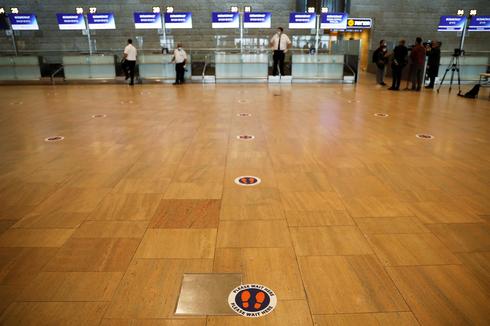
20, 68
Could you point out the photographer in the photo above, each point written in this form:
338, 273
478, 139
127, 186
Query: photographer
380, 58
180, 59
433, 62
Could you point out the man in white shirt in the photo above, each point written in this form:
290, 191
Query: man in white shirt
180, 59
129, 65
280, 43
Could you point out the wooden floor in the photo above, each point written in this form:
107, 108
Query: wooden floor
356, 221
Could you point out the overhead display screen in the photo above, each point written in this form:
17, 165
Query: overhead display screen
480, 24
302, 20
257, 20
71, 22
451, 23
225, 20
177, 20
147, 20
23, 22
101, 21
334, 20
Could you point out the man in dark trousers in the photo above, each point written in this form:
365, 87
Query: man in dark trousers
129, 63
433, 62
400, 54
280, 43
380, 59
180, 59
418, 61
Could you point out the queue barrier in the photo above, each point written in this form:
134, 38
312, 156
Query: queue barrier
317, 68
231, 67
19, 68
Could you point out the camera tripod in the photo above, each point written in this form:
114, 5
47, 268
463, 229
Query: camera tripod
454, 67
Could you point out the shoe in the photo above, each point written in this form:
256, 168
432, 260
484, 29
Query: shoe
175, 84
392, 89
383, 84
429, 87
126, 78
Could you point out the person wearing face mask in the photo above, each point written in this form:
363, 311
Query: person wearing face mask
180, 59
280, 43
380, 58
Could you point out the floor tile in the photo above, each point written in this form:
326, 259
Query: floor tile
53, 313
142, 186
175, 213
253, 234
72, 286
275, 268
150, 287
387, 225
442, 212
228, 260
18, 266
479, 264
318, 218
94, 255
411, 249
111, 229
126, 207
35, 237
178, 243
311, 201
72, 200
252, 212
442, 295
329, 240
376, 207
348, 284
154, 322
57, 220
373, 319
463, 237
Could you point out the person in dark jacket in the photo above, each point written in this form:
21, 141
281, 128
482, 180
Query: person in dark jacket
433, 62
418, 61
399, 62
380, 58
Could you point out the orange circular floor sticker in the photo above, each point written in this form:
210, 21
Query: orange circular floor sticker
424, 136
247, 180
252, 300
54, 138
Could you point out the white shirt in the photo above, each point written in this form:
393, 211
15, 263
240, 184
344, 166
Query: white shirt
131, 52
180, 55
281, 42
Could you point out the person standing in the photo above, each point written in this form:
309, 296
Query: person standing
400, 54
380, 58
129, 64
418, 61
180, 59
433, 62
280, 43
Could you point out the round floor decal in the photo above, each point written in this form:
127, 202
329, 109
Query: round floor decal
245, 137
383, 115
424, 136
54, 138
244, 114
95, 116
242, 101
252, 300
247, 180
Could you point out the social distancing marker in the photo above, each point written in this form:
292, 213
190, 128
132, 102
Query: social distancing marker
353, 101
245, 137
97, 116
382, 115
54, 139
243, 101
247, 181
252, 300
424, 136
244, 114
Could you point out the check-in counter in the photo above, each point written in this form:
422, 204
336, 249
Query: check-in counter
317, 67
20, 68
470, 68
241, 67
86, 67
160, 66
